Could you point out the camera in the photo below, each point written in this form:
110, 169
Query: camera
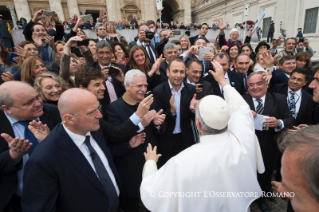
147, 93
113, 71
149, 34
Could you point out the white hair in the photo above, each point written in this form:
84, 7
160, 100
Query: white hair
235, 30
129, 76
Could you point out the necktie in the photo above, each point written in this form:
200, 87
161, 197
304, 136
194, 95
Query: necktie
111, 90
292, 105
204, 66
28, 135
260, 107
104, 177
150, 54
245, 81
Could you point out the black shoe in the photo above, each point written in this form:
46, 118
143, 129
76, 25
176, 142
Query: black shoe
263, 206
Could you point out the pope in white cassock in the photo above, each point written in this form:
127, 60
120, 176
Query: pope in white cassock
219, 173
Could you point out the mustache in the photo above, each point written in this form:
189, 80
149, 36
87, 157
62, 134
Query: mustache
141, 92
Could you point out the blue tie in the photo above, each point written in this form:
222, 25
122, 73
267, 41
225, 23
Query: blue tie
204, 66
28, 135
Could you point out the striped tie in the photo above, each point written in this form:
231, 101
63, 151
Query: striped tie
260, 107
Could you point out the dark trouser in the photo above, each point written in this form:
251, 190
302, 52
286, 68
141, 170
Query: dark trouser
14, 205
270, 35
289, 207
175, 146
278, 168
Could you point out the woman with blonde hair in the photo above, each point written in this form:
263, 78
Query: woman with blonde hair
50, 87
111, 33
184, 43
31, 68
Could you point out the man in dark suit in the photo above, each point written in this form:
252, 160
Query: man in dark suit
232, 77
193, 77
130, 165
114, 83
170, 53
20, 104
279, 117
100, 30
242, 66
314, 85
145, 42
164, 39
193, 53
301, 104
175, 98
202, 33
72, 168
286, 65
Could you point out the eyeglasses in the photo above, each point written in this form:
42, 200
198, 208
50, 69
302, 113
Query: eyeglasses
103, 53
97, 110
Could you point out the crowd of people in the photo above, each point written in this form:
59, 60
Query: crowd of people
80, 116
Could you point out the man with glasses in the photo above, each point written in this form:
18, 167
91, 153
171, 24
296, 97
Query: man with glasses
113, 82
73, 169
202, 33
130, 165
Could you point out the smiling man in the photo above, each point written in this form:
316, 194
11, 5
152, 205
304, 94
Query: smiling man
175, 98
19, 106
286, 65
275, 107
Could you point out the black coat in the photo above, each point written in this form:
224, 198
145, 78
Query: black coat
130, 165
306, 106
235, 79
206, 90
8, 170
59, 178
275, 106
162, 95
193, 39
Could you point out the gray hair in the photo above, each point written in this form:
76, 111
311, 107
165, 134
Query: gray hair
169, 46
129, 76
6, 99
98, 25
221, 55
254, 73
305, 142
206, 129
102, 44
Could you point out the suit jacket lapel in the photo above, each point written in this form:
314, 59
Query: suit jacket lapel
303, 104
5, 125
75, 157
249, 101
269, 104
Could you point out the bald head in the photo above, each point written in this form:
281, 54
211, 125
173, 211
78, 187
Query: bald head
73, 99
11, 89
20, 101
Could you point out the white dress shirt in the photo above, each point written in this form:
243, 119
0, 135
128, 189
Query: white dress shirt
297, 99
277, 129
227, 79
177, 100
79, 142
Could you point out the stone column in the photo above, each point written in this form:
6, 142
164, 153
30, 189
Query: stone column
187, 12
73, 8
149, 10
83, 11
13, 14
111, 10
55, 5
22, 9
